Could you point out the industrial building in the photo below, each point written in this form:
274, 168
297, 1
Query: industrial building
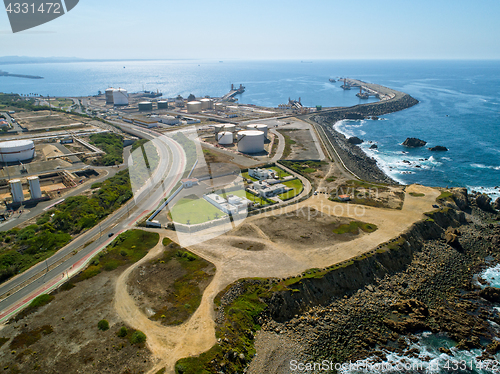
250, 141
169, 120
16, 151
206, 104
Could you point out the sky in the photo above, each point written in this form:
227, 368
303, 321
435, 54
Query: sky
265, 30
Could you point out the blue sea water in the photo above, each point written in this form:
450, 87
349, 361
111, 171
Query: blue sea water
459, 103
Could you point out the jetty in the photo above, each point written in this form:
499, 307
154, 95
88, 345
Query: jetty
234, 91
6, 74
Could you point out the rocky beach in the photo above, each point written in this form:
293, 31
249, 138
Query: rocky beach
379, 307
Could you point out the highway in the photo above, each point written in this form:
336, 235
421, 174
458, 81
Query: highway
67, 262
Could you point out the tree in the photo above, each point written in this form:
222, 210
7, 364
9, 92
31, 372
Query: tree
123, 332
103, 325
138, 337
191, 97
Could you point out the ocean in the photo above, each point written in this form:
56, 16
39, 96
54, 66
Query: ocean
459, 103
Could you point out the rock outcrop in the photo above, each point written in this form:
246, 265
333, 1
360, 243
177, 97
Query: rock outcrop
374, 146
414, 143
438, 148
496, 205
461, 198
483, 201
355, 140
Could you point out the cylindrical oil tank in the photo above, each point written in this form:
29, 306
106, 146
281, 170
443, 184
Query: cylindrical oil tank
219, 107
206, 104
225, 137
16, 150
16, 188
194, 107
251, 141
162, 104
120, 97
145, 106
258, 126
229, 127
218, 128
109, 95
35, 190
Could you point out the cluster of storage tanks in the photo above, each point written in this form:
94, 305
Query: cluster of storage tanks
198, 106
16, 188
16, 150
116, 96
147, 106
250, 140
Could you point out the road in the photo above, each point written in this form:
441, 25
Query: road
172, 161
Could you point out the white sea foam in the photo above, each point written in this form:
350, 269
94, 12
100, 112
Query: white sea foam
492, 192
492, 276
482, 166
428, 360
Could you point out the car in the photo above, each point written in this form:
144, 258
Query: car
315, 193
111, 234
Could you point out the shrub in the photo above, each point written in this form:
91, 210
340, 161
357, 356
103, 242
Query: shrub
138, 337
122, 332
103, 325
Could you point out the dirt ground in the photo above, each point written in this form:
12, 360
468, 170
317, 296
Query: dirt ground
306, 229
152, 286
76, 345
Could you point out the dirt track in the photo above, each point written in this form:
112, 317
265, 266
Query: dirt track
197, 335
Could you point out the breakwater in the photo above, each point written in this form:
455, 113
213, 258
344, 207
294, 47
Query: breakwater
351, 155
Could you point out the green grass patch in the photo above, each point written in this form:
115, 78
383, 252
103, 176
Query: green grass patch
247, 176
330, 179
353, 227
128, 248
417, 194
193, 211
297, 186
27, 338
186, 296
445, 195
288, 144
280, 172
189, 148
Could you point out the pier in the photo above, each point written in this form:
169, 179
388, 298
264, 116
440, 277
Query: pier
234, 91
369, 89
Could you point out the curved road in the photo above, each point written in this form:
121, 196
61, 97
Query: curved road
170, 153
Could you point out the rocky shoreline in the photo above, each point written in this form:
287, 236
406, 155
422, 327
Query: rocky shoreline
433, 291
353, 157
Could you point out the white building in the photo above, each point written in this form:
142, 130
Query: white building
189, 182
266, 190
169, 120
261, 174
232, 205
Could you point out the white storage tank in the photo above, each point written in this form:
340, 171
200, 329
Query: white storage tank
206, 104
35, 190
109, 95
16, 188
120, 97
229, 127
162, 104
219, 107
258, 126
218, 128
225, 138
194, 107
17, 150
145, 106
251, 141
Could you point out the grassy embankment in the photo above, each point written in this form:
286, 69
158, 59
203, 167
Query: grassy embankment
186, 293
110, 143
22, 248
288, 144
